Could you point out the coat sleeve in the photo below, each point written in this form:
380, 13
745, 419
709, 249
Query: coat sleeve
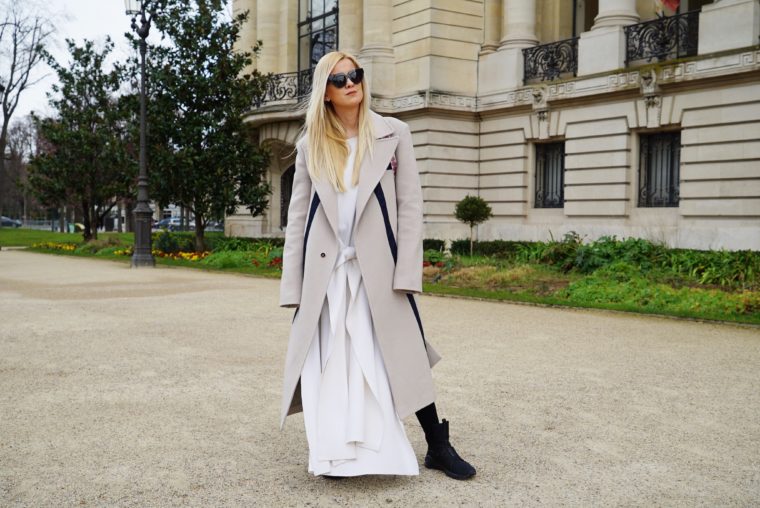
408, 273
291, 281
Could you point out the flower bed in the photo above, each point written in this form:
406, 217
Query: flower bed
66, 247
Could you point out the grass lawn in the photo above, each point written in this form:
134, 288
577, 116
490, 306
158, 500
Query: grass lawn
621, 285
20, 237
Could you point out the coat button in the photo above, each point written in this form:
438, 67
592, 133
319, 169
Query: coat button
323, 254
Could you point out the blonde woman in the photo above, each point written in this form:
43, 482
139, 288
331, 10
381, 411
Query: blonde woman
358, 361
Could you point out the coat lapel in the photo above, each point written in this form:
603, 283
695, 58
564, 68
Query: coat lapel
371, 171
329, 200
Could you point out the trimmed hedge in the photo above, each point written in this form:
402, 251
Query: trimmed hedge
496, 248
433, 244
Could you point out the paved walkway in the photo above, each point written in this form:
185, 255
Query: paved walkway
123, 387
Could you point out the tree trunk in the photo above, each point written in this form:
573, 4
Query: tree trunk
471, 233
3, 142
200, 240
87, 233
94, 222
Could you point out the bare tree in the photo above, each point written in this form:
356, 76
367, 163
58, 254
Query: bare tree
24, 32
14, 195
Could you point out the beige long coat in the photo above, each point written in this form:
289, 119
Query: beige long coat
388, 241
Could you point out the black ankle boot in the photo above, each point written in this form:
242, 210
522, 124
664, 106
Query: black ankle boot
441, 455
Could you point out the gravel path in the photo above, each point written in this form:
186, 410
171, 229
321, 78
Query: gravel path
161, 387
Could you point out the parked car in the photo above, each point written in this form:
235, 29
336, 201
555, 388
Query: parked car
215, 225
173, 224
7, 222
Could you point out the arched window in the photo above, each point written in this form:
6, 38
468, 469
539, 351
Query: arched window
317, 31
286, 189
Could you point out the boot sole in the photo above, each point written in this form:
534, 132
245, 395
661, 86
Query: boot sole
450, 474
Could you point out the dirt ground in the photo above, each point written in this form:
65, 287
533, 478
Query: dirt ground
161, 387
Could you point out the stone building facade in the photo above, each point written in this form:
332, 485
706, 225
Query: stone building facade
601, 117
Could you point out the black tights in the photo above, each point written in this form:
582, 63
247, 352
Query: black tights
428, 418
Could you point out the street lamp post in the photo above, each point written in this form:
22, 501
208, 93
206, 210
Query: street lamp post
142, 255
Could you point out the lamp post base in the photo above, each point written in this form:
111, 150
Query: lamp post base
143, 253
143, 260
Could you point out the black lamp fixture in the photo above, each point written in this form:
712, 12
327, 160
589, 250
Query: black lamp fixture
143, 255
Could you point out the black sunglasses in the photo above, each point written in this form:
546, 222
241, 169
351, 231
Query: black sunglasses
339, 80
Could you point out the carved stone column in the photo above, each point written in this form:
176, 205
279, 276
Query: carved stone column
602, 48
267, 29
616, 13
350, 26
503, 69
377, 52
491, 26
248, 33
518, 22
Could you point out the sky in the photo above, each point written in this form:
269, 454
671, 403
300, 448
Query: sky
78, 20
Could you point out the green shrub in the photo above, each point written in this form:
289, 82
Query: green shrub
433, 256
561, 254
166, 241
94, 246
235, 243
608, 249
274, 241
716, 267
229, 259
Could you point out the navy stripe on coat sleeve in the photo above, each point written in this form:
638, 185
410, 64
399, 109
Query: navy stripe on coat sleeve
394, 252
312, 211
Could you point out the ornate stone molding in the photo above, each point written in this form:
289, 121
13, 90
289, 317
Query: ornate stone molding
425, 100
648, 79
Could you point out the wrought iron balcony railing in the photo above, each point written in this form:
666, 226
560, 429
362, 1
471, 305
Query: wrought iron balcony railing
286, 86
550, 61
663, 38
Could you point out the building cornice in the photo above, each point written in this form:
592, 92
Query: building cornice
716, 69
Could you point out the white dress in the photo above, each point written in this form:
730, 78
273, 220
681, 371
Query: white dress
351, 422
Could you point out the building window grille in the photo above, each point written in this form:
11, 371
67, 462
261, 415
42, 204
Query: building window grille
659, 163
285, 86
317, 31
551, 61
550, 175
286, 190
663, 38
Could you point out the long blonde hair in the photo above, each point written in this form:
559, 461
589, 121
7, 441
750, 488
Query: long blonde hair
328, 148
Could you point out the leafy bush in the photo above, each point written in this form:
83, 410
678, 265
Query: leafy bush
608, 249
472, 210
229, 259
93, 246
561, 254
716, 267
275, 241
166, 241
235, 243
433, 256
274, 257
